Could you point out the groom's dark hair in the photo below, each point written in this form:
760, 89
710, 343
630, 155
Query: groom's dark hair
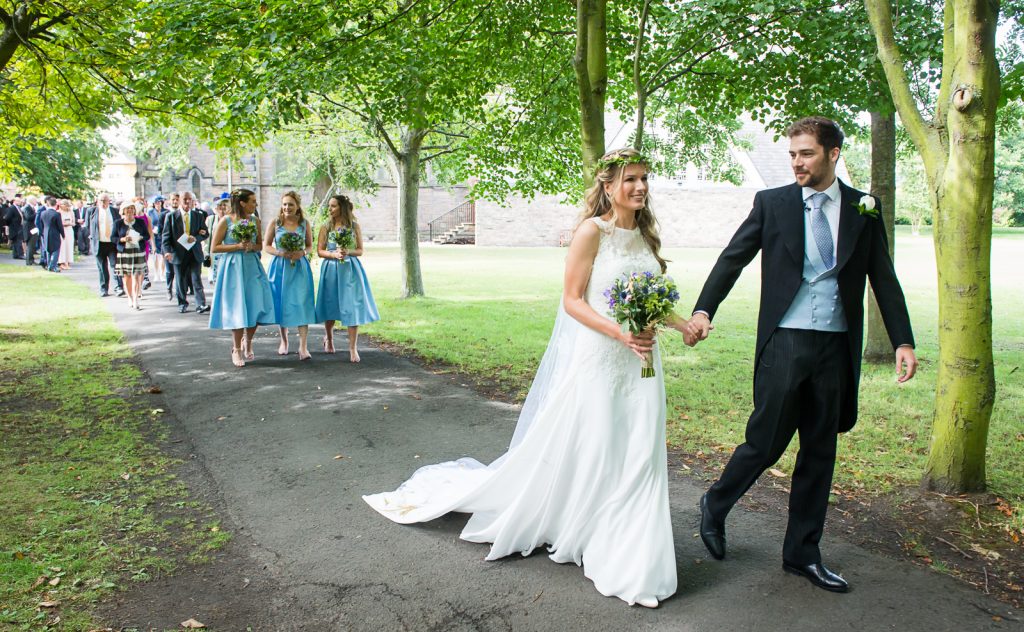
824, 130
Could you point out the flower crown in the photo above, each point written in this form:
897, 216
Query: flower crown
620, 160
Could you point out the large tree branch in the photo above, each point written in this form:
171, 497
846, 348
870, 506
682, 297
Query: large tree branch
924, 137
382, 132
948, 61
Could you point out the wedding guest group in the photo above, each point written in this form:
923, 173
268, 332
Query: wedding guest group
245, 296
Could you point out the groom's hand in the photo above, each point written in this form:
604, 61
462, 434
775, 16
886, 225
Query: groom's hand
906, 364
697, 328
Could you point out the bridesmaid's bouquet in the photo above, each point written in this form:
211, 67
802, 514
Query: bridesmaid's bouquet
640, 301
344, 238
291, 242
244, 231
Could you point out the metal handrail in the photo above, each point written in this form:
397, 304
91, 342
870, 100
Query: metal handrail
464, 213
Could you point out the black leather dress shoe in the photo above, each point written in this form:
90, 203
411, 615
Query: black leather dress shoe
202, 309
182, 308
712, 532
819, 575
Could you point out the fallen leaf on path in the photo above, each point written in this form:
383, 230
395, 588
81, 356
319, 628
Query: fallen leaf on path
338, 456
992, 555
417, 396
221, 418
37, 583
156, 411
192, 624
126, 476
777, 473
54, 581
49, 604
385, 408
155, 390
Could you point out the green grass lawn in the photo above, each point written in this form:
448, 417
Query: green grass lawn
489, 313
80, 476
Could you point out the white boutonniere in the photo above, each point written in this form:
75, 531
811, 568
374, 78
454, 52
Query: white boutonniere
867, 206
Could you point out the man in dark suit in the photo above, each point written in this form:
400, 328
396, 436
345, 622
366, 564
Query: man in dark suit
30, 230
78, 209
175, 207
52, 233
187, 261
100, 222
819, 241
13, 218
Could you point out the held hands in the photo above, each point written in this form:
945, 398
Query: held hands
906, 364
640, 343
697, 329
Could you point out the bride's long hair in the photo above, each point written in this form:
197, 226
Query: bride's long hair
597, 202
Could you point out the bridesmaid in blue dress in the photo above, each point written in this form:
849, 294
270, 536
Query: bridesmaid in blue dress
344, 293
241, 298
291, 279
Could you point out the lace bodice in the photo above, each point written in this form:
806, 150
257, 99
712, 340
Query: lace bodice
620, 251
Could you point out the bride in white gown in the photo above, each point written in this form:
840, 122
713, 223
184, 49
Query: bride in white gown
586, 471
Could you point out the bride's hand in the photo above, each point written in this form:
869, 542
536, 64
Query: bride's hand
638, 343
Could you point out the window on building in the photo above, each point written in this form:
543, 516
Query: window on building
197, 185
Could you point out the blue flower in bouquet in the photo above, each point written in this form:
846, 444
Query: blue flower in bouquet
640, 301
243, 231
291, 242
344, 238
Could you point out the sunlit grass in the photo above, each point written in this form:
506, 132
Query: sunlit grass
79, 475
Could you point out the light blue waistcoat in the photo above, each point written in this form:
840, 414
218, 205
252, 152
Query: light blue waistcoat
816, 305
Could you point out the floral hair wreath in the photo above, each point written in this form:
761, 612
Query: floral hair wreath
619, 160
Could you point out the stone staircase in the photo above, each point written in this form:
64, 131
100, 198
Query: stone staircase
457, 226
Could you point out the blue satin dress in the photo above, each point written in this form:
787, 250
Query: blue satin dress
292, 286
344, 293
242, 296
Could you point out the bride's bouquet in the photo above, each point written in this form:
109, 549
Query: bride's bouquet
243, 231
344, 238
291, 242
640, 301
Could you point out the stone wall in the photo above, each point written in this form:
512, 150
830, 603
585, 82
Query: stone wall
688, 216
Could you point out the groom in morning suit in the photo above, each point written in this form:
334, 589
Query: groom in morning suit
820, 240
187, 262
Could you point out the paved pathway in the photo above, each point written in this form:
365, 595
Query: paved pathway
267, 436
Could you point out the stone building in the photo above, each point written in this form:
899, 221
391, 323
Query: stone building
207, 176
692, 210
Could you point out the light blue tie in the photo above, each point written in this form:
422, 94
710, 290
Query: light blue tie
820, 229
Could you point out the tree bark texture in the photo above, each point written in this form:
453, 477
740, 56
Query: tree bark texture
591, 65
408, 167
958, 148
883, 186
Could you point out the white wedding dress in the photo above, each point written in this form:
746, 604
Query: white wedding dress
586, 472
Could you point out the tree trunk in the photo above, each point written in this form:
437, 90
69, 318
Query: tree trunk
958, 150
639, 85
15, 33
591, 65
323, 187
408, 167
883, 185
965, 385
